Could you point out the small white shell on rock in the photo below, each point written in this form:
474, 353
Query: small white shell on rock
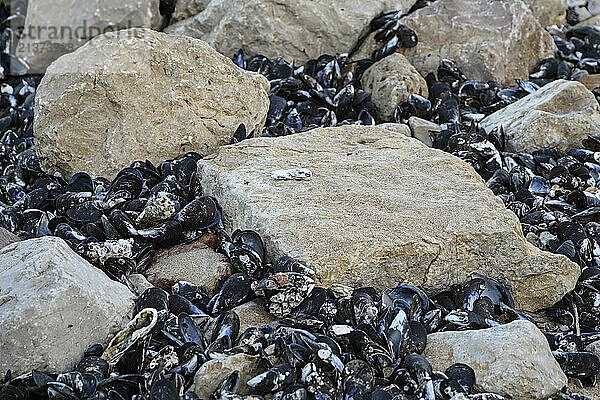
298, 174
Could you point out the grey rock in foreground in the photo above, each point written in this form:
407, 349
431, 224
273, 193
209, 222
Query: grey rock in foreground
7, 237
390, 82
57, 27
53, 305
294, 29
194, 262
141, 94
489, 39
560, 114
513, 360
380, 209
214, 371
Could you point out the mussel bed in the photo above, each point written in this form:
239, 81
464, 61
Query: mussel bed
328, 343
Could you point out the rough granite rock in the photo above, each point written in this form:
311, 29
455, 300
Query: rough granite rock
7, 237
548, 12
560, 114
489, 39
390, 81
512, 360
141, 94
379, 209
53, 305
214, 371
298, 29
57, 27
188, 8
194, 262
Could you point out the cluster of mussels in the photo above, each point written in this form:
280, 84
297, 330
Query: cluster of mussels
326, 91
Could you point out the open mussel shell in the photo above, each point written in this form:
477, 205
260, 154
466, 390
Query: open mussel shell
137, 328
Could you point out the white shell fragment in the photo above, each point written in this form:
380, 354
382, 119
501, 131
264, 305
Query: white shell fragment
298, 174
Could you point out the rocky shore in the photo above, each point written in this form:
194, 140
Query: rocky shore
300, 200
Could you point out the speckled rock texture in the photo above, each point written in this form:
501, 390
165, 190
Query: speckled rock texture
214, 371
379, 209
560, 114
512, 360
61, 26
141, 94
7, 237
549, 12
54, 305
194, 262
188, 8
390, 81
298, 29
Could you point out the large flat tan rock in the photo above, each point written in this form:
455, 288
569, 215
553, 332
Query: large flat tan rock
380, 208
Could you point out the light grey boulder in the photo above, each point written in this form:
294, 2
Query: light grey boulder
488, 39
53, 305
380, 209
560, 114
390, 82
57, 27
294, 29
512, 360
140, 94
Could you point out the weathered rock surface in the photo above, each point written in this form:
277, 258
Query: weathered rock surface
513, 360
593, 21
591, 81
398, 128
390, 81
298, 29
7, 237
253, 313
380, 209
214, 371
140, 94
560, 114
139, 283
57, 27
194, 262
548, 12
594, 7
188, 8
53, 305
422, 129
489, 39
